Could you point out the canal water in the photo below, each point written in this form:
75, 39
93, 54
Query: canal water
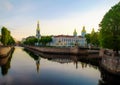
24, 68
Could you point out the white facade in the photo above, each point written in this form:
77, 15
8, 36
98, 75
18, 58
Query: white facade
68, 41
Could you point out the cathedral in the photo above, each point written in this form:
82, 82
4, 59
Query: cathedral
70, 41
65, 40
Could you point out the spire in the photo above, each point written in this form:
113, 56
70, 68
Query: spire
38, 26
75, 32
38, 31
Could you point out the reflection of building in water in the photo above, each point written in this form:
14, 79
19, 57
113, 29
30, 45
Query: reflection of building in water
75, 59
84, 65
76, 64
38, 65
61, 60
36, 58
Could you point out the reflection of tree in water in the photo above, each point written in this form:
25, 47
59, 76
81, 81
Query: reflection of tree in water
35, 57
6, 66
75, 59
108, 79
65, 58
31, 54
62, 59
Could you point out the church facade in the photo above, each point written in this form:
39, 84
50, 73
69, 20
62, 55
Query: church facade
65, 40
69, 40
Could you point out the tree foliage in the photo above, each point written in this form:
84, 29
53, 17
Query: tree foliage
6, 38
30, 40
93, 38
87, 36
110, 29
45, 40
11, 41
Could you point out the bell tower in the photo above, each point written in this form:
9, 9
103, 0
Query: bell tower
83, 32
38, 31
75, 33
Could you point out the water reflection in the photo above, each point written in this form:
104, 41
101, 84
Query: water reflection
106, 79
75, 59
36, 58
5, 63
38, 64
62, 59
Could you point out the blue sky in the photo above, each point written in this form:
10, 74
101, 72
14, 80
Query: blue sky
55, 16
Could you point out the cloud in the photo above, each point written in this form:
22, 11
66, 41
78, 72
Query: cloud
6, 5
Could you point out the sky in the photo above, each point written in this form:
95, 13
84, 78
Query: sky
56, 17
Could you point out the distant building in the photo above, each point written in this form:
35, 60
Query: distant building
64, 40
38, 36
70, 41
83, 32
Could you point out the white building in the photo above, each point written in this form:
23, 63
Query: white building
70, 41
65, 40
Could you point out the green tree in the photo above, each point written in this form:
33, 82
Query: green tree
94, 38
87, 36
11, 41
30, 40
5, 35
6, 38
45, 40
110, 29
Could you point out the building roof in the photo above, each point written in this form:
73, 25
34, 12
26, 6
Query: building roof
66, 36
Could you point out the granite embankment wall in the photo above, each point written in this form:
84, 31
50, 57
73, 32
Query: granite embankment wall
110, 62
4, 51
74, 50
5, 54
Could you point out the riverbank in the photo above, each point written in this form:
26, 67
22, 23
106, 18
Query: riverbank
110, 62
5, 51
86, 55
66, 50
24, 69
